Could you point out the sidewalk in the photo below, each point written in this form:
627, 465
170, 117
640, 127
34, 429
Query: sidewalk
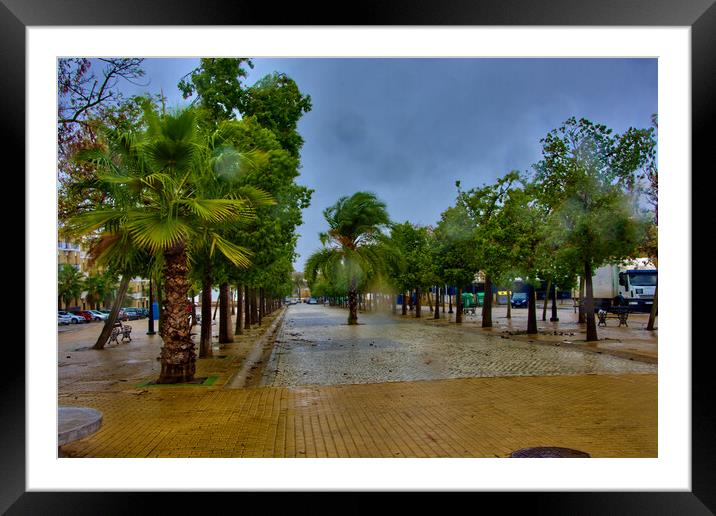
632, 341
467, 417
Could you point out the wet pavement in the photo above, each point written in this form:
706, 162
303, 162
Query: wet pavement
315, 346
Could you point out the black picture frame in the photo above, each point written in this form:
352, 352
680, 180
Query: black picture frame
700, 15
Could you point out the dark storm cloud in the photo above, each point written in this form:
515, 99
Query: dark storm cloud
407, 129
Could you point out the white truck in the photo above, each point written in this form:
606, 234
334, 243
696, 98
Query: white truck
631, 284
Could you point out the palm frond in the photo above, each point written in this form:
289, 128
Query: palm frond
155, 232
237, 255
219, 210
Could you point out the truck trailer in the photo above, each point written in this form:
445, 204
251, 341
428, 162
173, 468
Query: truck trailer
631, 284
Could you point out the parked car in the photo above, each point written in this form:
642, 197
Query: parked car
519, 300
98, 316
74, 319
82, 313
312, 301
64, 318
133, 313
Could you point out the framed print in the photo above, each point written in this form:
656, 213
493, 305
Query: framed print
679, 40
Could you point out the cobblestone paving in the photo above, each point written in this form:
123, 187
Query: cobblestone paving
315, 346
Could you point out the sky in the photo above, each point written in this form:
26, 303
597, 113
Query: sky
407, 129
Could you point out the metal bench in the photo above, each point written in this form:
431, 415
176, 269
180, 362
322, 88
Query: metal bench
124, 330
617, 312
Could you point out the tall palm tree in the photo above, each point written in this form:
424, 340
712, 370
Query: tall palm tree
163, 213
350, 248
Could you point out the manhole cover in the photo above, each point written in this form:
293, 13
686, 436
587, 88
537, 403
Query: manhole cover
546, 452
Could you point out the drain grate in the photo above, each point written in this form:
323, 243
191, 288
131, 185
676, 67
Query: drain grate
548, 452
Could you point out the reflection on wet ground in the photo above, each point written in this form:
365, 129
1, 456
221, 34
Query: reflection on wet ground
316, 346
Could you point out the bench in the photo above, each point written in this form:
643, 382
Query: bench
618, 312
124, 330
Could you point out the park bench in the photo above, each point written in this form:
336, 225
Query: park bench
124, 330
616, 312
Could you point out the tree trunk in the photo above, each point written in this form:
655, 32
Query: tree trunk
418, 304
109, 323
581, 319
193, 310
437, 303
450, 301
247, 307
531, 310
231, 301
205, 343
261, 304
394, 299
589, 304
509, 304
225, 335
546, 300
216, 309
554, 317
430, 302
178, 359
487, 303
654, 308
238, 330
352, 303
458, 306
404, 305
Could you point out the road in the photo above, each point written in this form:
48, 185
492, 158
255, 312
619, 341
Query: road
315, 346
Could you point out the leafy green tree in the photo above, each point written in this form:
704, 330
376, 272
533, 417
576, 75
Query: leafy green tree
586, 180
483, 206
350, 249
165, 216
216, 84
455, 253
416, 268
276, 103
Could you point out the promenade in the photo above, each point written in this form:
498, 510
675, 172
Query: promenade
605, 412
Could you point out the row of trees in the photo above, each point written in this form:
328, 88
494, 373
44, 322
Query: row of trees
586, 203
191, 198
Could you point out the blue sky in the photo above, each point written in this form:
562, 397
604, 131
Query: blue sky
407, 129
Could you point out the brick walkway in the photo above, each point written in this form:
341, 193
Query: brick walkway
603, 415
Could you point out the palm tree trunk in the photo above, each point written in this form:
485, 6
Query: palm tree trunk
206, 333
487, 303
109, 323
589, 304
225, 335
531, 310
352, 303
654, 308
178, 359
450, 303
254, 308
247, 307
238, 330
509, 304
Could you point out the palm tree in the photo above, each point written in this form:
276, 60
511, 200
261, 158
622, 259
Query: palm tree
158, 209
350, 248
70, 283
